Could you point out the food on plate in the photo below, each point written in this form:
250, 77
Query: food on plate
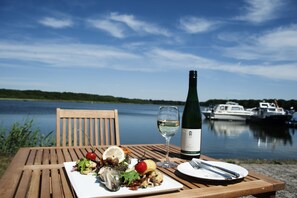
110, 178
85, 166
144, 174
145, 166
141, 167
114, 170
114, 152
91, 155
151, 165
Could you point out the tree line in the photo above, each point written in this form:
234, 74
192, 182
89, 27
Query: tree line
70, 96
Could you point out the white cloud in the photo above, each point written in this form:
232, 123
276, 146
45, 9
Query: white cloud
56, 23
138, 25
259, 11
197, 25
148, 60
121, 26
276, 45
114, 29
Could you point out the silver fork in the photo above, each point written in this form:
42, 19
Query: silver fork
196, 165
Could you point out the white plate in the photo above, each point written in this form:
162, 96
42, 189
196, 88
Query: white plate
89, 186
202, 173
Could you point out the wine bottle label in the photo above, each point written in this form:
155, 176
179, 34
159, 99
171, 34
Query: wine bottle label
190, 141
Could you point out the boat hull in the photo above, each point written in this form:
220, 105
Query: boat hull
273, 119
234, 117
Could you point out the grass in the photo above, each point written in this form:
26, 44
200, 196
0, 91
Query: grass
21, 135
4, 162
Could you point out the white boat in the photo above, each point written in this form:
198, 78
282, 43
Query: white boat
228, 111
207, 112
269, 113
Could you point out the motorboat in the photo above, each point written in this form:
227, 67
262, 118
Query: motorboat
228, 111
207, 112
269, 113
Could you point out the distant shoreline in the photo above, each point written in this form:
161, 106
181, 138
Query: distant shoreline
37, 95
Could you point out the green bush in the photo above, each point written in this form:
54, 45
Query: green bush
23, 135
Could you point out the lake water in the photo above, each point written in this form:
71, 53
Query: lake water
220, 139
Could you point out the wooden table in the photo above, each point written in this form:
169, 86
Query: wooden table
39, 172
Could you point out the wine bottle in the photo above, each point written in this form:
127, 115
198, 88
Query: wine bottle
191, 122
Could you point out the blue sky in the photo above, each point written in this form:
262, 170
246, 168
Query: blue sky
144, 49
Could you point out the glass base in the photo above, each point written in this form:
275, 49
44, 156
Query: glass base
166, 164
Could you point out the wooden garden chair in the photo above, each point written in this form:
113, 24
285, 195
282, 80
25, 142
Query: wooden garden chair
87, 127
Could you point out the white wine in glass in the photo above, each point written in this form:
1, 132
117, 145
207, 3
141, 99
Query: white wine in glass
168, 123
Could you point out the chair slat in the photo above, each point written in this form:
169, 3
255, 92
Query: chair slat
101, 133
64, 131
80, 132
86, 132
69, 131
75, 132
106, 132
96, 132
91, 137
112, 139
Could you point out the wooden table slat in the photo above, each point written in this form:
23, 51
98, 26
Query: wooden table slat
53, 156
45, 184
56, 183
60, 156
79, 153
73, 155
66, 155
34, 184
31, 157
67, 190
24, 183
45, 157
10, 180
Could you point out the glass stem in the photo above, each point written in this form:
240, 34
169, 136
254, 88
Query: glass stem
167, 149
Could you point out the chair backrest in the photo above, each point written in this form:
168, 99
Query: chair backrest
87, 127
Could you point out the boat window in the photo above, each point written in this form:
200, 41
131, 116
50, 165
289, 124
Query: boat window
235, 108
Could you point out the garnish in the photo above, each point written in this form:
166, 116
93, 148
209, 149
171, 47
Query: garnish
91, 155
114, 152
130, 176
85, 166
141, 167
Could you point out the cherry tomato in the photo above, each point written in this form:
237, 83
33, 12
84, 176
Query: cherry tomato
141, 167
91, 156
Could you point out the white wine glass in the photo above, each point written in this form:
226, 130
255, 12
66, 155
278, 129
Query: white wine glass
168, 123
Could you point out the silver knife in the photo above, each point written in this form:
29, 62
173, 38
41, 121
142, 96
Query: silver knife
205, 164
197, 165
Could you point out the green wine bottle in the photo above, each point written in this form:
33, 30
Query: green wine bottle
191, 122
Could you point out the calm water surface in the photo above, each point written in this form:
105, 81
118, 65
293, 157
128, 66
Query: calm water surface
138, 125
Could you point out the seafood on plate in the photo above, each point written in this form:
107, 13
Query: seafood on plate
110, 178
